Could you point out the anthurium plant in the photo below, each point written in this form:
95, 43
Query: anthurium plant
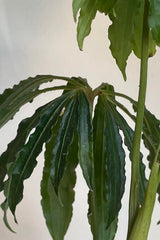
89, 127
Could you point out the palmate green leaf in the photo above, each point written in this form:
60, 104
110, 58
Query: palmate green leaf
121, 31
137, 37
58, 214
85, 138
109, 172
12, 99
14, 147
26, 159
63, 140
154, 19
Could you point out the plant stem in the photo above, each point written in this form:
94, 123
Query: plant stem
143, 219
134, 190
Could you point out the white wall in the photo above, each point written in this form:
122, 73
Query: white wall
39, 37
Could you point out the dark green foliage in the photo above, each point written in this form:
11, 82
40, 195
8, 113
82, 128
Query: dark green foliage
62, 141
128, 139
73, 132
109, 173
26, 157
23, 131
85, 142
58, 210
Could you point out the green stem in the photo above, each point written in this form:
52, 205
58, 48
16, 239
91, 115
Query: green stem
143, 219
134, 189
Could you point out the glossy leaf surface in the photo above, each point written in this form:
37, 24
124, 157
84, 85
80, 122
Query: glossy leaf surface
72, 135
128, 141
26, 159
63, 140
58, 214
109, 173
12, 99
85, 138
14, 147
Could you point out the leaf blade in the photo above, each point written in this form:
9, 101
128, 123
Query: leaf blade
87, 14
120, 33
109, 173
26, 160
12, 99
128, 140
63, 140
58, 215
76, 5
85, 138
15, 145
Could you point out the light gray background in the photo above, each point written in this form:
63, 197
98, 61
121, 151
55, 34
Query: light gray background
39, 37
